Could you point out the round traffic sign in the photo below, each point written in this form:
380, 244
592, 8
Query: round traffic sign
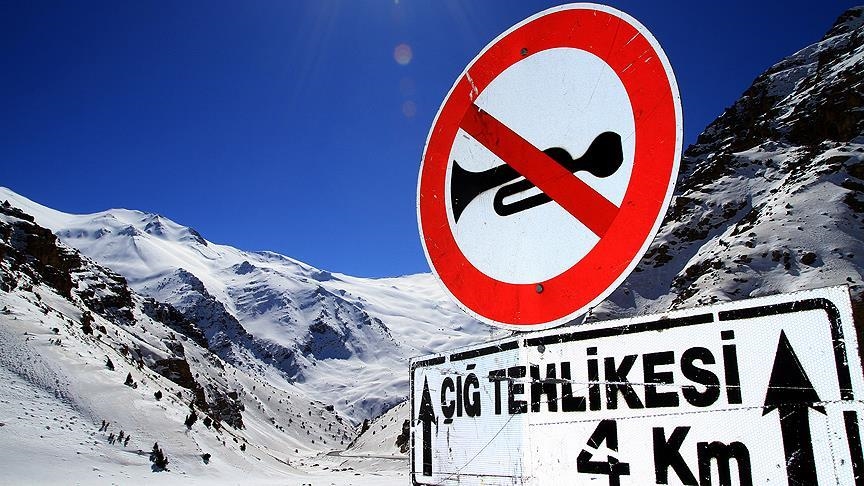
549, 166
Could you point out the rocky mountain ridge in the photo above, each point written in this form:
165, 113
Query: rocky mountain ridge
769, 199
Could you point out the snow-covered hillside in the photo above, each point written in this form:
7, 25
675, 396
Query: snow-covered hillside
266, 311
385, 436
95, 375
771, 197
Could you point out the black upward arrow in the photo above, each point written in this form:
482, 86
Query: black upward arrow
791, 393
426, 415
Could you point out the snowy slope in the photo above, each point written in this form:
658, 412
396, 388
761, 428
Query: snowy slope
262, 309
385, 436
63, 319
769, 199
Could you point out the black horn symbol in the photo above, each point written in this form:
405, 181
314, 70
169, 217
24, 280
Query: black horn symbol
602, 159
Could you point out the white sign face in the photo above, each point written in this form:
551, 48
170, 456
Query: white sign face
540, 242
764, 391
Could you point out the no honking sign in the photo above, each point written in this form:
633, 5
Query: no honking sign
549, 166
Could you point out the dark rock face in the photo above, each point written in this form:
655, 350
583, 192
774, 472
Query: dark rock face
111, 298
227, 408
36, 252
178, 371
223, 405
33, 250
325, 342
173, 318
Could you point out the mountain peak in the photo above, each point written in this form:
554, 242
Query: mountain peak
851, 20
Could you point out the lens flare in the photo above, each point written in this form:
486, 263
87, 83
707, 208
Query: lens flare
402, 54
409, 109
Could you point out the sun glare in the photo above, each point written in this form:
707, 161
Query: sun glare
402, 54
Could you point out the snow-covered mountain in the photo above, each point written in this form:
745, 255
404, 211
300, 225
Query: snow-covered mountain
338, 338
771, 197
95, 377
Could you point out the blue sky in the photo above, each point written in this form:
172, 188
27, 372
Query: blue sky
298, 126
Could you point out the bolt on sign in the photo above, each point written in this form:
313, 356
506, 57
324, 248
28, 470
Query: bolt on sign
549, 166
756, 392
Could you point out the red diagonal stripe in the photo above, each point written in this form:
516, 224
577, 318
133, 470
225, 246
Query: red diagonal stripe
574, 195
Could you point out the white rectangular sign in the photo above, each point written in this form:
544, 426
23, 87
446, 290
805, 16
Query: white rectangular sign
763, 391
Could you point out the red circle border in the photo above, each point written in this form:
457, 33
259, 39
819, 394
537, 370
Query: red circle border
639, 63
